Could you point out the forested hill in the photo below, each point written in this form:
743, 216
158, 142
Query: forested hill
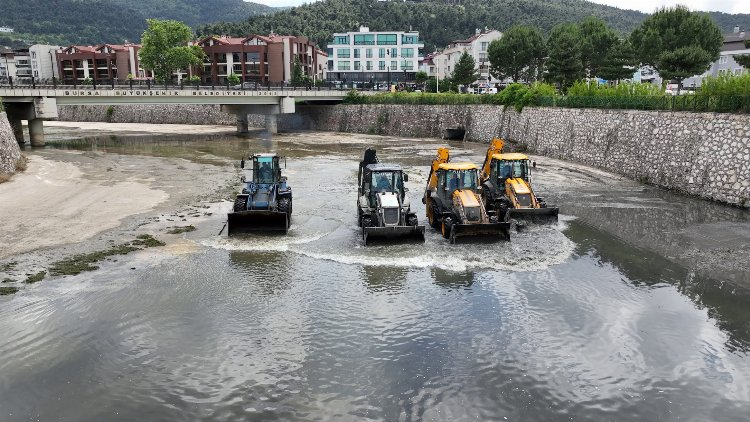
96, 21
438, 21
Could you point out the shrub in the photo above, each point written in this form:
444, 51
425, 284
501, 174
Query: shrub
726, 84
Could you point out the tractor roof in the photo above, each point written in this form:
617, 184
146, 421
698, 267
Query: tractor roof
510, 156
271, 154
457, 166
383, 167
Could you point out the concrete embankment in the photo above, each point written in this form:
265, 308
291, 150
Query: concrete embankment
10, 154
701, 154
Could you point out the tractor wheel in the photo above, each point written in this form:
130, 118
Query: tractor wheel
446, 227
411, 220
285, 205
239, 203
434, 221
366, 221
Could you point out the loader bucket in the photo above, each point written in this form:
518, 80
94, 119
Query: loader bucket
536, 215
257, 221
398, 234
491, 232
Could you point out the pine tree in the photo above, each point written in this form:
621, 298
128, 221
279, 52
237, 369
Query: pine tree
464, 72
564, 64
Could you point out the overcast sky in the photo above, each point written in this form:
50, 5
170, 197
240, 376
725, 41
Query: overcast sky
648, 6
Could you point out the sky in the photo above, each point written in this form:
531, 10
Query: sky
648, 6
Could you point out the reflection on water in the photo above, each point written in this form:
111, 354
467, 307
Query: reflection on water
596, 318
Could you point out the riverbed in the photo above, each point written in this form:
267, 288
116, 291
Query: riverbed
634, 306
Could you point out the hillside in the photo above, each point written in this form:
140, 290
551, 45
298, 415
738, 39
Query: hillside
438, 22
96, 21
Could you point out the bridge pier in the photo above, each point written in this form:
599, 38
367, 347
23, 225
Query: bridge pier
36, 132
242, 123
272, 123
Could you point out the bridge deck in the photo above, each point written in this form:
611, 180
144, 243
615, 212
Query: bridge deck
109, 96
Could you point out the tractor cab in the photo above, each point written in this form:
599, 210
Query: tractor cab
510, 166
382, 178
265, 168
453, 177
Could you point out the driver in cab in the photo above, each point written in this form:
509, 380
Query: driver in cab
265, 174
383, 184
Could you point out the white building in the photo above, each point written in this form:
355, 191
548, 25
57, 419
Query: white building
43, 61
5, 29
476, 46
364, 56
734, 45
15, 64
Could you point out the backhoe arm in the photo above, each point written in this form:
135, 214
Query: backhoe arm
496, 147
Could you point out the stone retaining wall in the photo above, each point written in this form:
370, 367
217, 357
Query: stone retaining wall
701, 154
9, 151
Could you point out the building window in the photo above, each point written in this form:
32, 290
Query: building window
252, 57
407, 52
368, 53
723, 60
407, 66
381, 53
394, 65
394, 52
409, 39
369, 65
356, 53
364, 39
738, 71
344, 65
356, 66
381, 65
484, 46
342, 53
387, 39
341, 39
482, 57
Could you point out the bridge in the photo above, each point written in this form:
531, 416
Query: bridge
37, 104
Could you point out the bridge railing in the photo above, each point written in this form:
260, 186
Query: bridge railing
111, 84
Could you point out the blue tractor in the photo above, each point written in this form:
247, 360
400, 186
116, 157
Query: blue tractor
265, 203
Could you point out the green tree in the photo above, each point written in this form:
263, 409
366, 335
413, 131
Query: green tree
420, 77
298, 78
464, 72
564, 64
166, 50
518, 54
619, 62
233, 79
678, 43
744, 59
596, 41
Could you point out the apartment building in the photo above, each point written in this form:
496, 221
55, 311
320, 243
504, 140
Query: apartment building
43, 63
259, 58
734, 45
365, 56
102, 63
476, 46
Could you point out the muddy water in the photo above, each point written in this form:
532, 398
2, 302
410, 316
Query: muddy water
633, 307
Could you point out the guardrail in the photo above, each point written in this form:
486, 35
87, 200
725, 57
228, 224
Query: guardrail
55, 83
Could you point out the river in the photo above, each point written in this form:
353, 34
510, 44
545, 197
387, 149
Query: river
634, 306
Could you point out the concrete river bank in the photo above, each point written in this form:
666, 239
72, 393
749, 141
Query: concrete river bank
635, 306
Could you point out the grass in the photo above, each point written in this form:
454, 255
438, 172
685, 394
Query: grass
36, 277
184, 229
4, 177
7, 280
85, 262
8, 266
148, 241
22, 163
4, 291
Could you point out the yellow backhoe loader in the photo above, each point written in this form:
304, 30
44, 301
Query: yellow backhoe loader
506, 186
453, 203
